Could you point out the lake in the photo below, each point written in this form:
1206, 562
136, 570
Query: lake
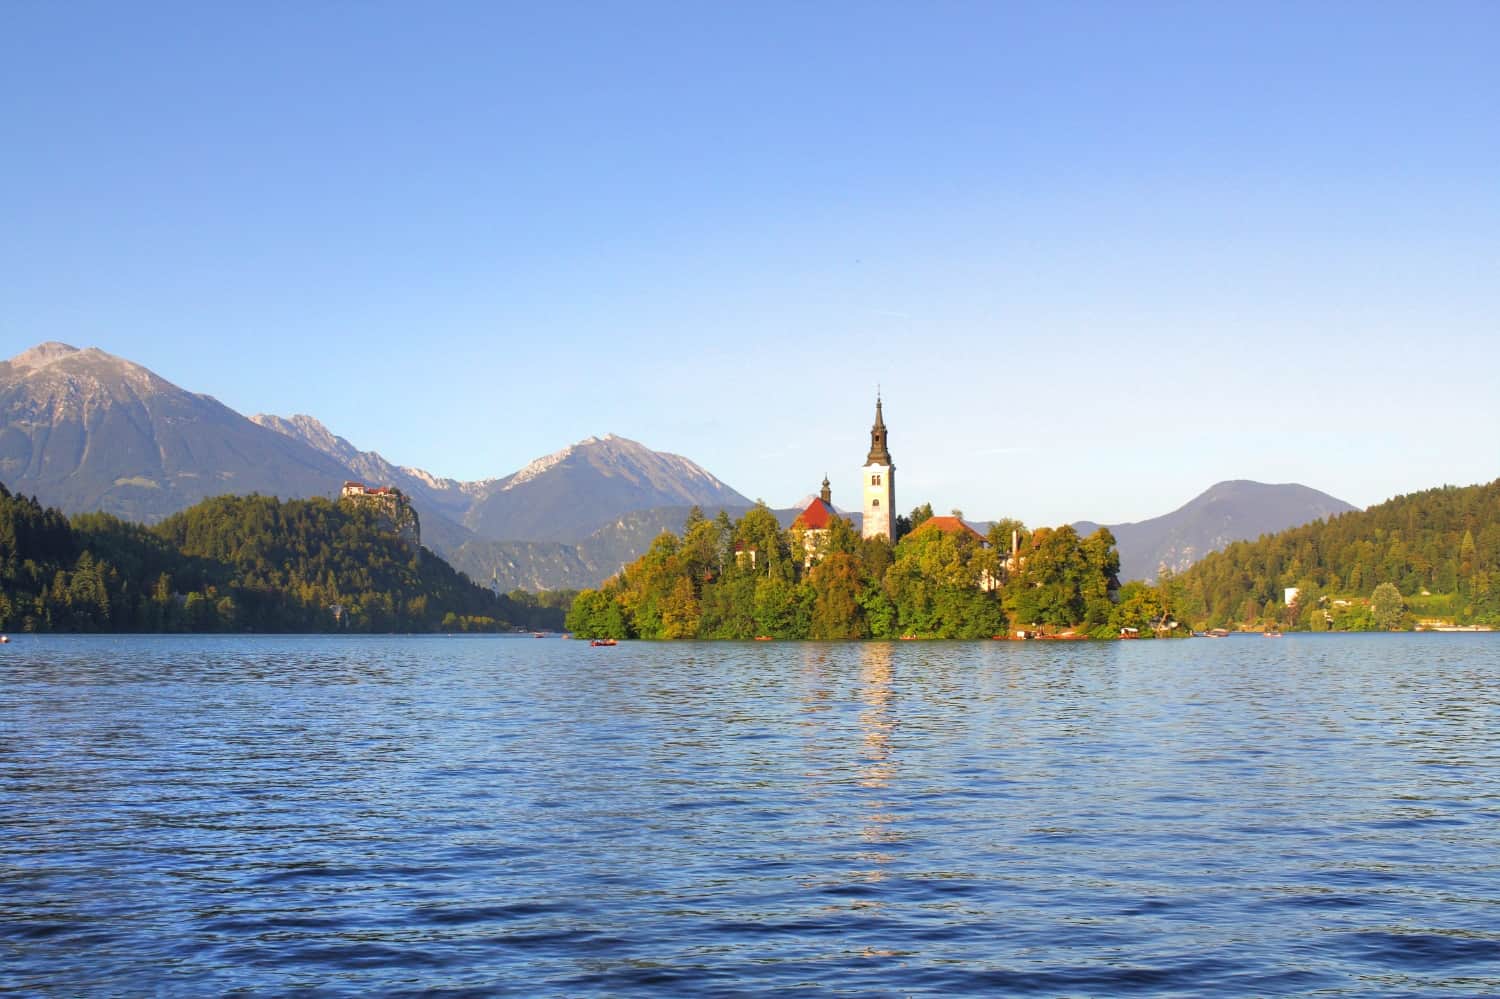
482, 815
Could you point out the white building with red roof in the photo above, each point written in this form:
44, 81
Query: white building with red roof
815, 521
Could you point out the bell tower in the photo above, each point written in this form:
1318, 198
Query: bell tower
879, 483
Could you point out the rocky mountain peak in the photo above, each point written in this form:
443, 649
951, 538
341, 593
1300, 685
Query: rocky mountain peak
547, 462
567, 494
43, 354
75, 371
310, 430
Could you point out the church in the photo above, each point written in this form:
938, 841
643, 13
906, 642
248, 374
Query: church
879, 508
879, 488
879, 482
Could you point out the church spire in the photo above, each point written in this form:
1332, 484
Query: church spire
879, 482
879, 454
827, 494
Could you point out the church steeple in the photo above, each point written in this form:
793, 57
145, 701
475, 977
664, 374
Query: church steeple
879, 454
827, 494
880, 482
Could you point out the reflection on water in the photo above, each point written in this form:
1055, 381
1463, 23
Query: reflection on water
877, 766
190, 815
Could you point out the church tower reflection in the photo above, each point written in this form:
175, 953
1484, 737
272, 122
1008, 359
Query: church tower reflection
876, 721
876, 770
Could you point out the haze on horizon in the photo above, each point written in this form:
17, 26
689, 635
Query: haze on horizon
1097, 257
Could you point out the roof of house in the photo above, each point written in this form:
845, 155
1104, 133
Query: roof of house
818, 514
949, 525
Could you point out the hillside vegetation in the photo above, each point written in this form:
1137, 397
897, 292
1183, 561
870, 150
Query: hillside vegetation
235, 563
1438, 550
722, 579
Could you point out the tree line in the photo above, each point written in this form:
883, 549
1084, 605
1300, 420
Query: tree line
725, 579
1428, 554
239, 563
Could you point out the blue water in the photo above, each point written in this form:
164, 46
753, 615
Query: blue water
1314, 814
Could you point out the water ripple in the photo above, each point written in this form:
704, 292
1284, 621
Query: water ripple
481, 816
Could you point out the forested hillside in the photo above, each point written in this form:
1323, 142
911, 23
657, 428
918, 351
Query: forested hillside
1439, 549
234, 563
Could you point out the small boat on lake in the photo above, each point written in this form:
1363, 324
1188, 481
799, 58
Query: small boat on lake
598, 642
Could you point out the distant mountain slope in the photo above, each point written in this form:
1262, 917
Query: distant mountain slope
449, 496
569, 494
553, 565
1227, 512
85, 430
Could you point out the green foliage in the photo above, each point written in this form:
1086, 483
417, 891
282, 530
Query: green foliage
935, 584
1443, 541
233, 563
750, 579
906, 524
1064, 579
1387, 607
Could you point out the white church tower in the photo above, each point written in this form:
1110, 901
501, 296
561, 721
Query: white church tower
880, 483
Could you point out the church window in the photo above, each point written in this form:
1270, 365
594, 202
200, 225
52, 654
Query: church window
875, 502
874, 480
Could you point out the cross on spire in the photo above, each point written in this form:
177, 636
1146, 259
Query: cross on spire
880, 453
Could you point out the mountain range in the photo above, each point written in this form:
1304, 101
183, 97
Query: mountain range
84, 430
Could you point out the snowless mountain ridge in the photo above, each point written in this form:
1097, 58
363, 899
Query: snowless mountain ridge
85, 430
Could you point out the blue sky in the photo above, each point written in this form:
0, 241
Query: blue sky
1098, 257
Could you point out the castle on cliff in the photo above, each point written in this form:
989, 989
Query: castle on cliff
392, 504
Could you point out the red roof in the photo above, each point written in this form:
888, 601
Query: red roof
818, 514
949, 525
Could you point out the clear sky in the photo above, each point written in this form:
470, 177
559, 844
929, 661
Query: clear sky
1098, 257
